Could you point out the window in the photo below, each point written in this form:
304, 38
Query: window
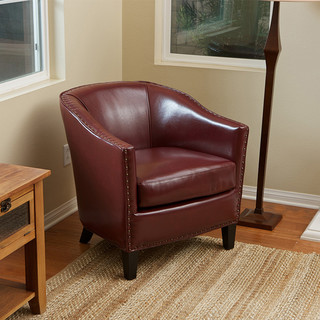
219, 32
23, 47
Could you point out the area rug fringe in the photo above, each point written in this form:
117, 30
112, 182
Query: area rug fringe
193, 279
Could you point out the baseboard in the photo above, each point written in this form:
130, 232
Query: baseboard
65, 210
312, 233
289, 198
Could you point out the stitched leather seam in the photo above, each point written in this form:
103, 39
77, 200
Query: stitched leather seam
160, 86
68, 102
149, 117
221, 117
243, 126
80, 100
194, 101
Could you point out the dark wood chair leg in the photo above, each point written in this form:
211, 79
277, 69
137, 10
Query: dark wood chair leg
86, 236
130, 264
229, 236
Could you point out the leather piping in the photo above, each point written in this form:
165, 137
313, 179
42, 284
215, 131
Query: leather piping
149, 117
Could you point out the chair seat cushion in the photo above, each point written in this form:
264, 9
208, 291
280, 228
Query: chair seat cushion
166, 175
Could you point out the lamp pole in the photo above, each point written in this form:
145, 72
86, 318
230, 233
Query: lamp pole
258, 218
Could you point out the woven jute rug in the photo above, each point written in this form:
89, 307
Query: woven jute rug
193, 279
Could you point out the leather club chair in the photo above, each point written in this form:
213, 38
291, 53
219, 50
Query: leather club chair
152, 166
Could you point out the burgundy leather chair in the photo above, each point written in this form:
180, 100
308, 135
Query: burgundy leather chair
152, 166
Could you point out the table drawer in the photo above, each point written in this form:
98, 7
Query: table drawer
17, 219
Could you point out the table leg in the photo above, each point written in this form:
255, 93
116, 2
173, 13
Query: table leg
35, 256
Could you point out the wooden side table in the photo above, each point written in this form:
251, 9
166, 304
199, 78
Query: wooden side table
22, 224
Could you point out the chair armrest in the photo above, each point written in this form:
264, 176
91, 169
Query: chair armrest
104, 173
213, 134
178, 120
222, 137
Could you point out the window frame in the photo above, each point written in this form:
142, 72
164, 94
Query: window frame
163, 56
37, 77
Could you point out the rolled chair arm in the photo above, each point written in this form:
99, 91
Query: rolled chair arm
104, 172
220, 136
181, 121
211, 133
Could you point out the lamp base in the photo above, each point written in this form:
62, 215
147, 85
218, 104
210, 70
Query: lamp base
265, 220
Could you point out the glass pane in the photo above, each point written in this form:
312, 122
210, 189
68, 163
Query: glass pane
19, 34
224, 28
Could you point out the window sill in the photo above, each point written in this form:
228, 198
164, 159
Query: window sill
179, 60
164, 57
28, 89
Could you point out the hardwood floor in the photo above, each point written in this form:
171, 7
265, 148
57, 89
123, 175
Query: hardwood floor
62, 240
287, 233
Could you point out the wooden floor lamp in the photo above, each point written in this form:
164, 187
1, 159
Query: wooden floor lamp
258, 218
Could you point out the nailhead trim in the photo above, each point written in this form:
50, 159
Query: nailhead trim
193, 100
110, 139
185, 236
128, 199
117, 143
221, 117
242, 173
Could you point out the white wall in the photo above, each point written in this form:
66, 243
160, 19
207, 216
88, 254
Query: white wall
90, 48
294, 150
107, 40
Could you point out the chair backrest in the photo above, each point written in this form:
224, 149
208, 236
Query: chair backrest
121, 108
143, 114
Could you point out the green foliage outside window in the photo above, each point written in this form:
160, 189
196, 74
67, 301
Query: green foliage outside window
227, 28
